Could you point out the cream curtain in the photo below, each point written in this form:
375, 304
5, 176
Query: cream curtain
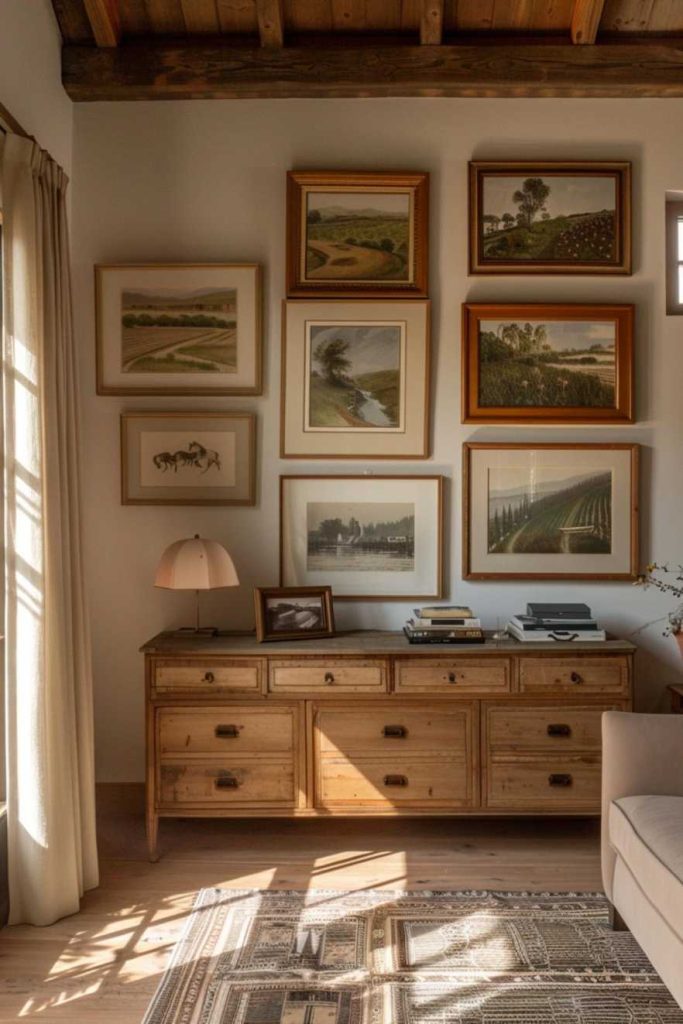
50, 773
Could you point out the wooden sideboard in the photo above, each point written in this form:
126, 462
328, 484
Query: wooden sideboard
365, 723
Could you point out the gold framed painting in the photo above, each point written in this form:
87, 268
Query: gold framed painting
293, 613
550, 217
371, 538
357, 233
355, 379
188, 458
178, 329
550, 511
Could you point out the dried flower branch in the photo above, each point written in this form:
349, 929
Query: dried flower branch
668, 581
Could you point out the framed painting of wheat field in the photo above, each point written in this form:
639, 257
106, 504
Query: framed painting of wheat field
357, 233
550, 217
178, 329
541, 363
550, 511
355, 379
188, 458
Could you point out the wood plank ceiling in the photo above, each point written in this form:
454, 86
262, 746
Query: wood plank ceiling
173, 49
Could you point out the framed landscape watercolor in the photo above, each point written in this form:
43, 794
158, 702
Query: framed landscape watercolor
188, 458
550, 511
355, 379
547, 363
293, 613
178, 329
370, 538
550, 217
356, 233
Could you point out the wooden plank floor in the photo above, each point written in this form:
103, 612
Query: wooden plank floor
103, 964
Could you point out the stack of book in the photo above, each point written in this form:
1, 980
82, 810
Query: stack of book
555, 622
444, 624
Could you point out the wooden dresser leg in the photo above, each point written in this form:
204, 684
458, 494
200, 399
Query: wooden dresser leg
152, 834
617, 923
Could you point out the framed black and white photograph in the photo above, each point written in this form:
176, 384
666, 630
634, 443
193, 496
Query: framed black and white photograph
293, 613
370, 538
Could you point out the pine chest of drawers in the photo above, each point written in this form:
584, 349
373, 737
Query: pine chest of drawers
366, 724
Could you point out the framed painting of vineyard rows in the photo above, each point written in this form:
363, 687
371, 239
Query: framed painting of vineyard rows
178, 329
547, 363
355, 379
550, 511
351, 233
550, 217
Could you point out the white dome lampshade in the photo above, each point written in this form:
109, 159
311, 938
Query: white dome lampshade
196, 563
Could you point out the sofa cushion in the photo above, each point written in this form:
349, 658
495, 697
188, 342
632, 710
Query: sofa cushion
647, 833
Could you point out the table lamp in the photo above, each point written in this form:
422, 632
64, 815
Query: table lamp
196, 564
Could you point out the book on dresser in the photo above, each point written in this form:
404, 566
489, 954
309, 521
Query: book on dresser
443, 624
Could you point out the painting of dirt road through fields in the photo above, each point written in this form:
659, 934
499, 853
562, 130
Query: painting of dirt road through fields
169, 330
550, 510
362, 236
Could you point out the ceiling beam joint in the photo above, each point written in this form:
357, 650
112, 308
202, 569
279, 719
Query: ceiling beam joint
431, 22
105, 21
271, 23
586, 21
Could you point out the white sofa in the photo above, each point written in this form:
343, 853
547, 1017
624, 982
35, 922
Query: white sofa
642, 835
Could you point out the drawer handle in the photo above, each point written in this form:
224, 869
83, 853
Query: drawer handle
397, 732
560, 779
329, 678
559, 730
227, 782
209, 677
452, 678
227, 731
576, 678
395, 780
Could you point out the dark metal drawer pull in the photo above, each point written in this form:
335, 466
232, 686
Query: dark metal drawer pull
576, 678
559, 730
209, 677
395, 780
452, 678
329, 677
227, 782
560, 779
227, 731
398, 732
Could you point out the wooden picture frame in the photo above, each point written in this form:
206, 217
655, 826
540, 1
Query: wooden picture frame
547, 363
155, 335
314, 600
576, 231
375, 407
571, 522
191, 457
401, 518
337, 207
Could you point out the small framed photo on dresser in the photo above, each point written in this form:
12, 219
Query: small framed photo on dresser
293, 613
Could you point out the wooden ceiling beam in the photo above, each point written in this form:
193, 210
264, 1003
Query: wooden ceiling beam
172, 70
586, 17
105, 21
271, 23
431, 22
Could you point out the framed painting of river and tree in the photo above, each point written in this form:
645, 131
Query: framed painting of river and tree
540, 363
550, 217
357, 233
355, 379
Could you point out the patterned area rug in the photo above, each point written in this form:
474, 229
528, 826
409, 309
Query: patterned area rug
378, 957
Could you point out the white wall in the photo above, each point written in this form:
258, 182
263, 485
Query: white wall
206, 181
30, 75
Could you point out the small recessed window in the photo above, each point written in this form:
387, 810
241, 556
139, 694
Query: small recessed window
674, 258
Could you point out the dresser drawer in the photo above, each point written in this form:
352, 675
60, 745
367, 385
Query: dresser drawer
383, 783
224, 781
452, 675
546, 729
561, 783
602, 676
322, 675
228, 730
197, 676
393, 729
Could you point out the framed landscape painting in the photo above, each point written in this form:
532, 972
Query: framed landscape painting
293, 613
370, 538
188, 458
550, 217
178, 329
550, 511
547, 363
355, 379
353, 233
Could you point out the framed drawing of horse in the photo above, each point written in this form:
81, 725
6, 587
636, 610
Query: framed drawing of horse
188, 458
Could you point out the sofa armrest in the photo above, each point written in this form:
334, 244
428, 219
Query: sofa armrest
641, 755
